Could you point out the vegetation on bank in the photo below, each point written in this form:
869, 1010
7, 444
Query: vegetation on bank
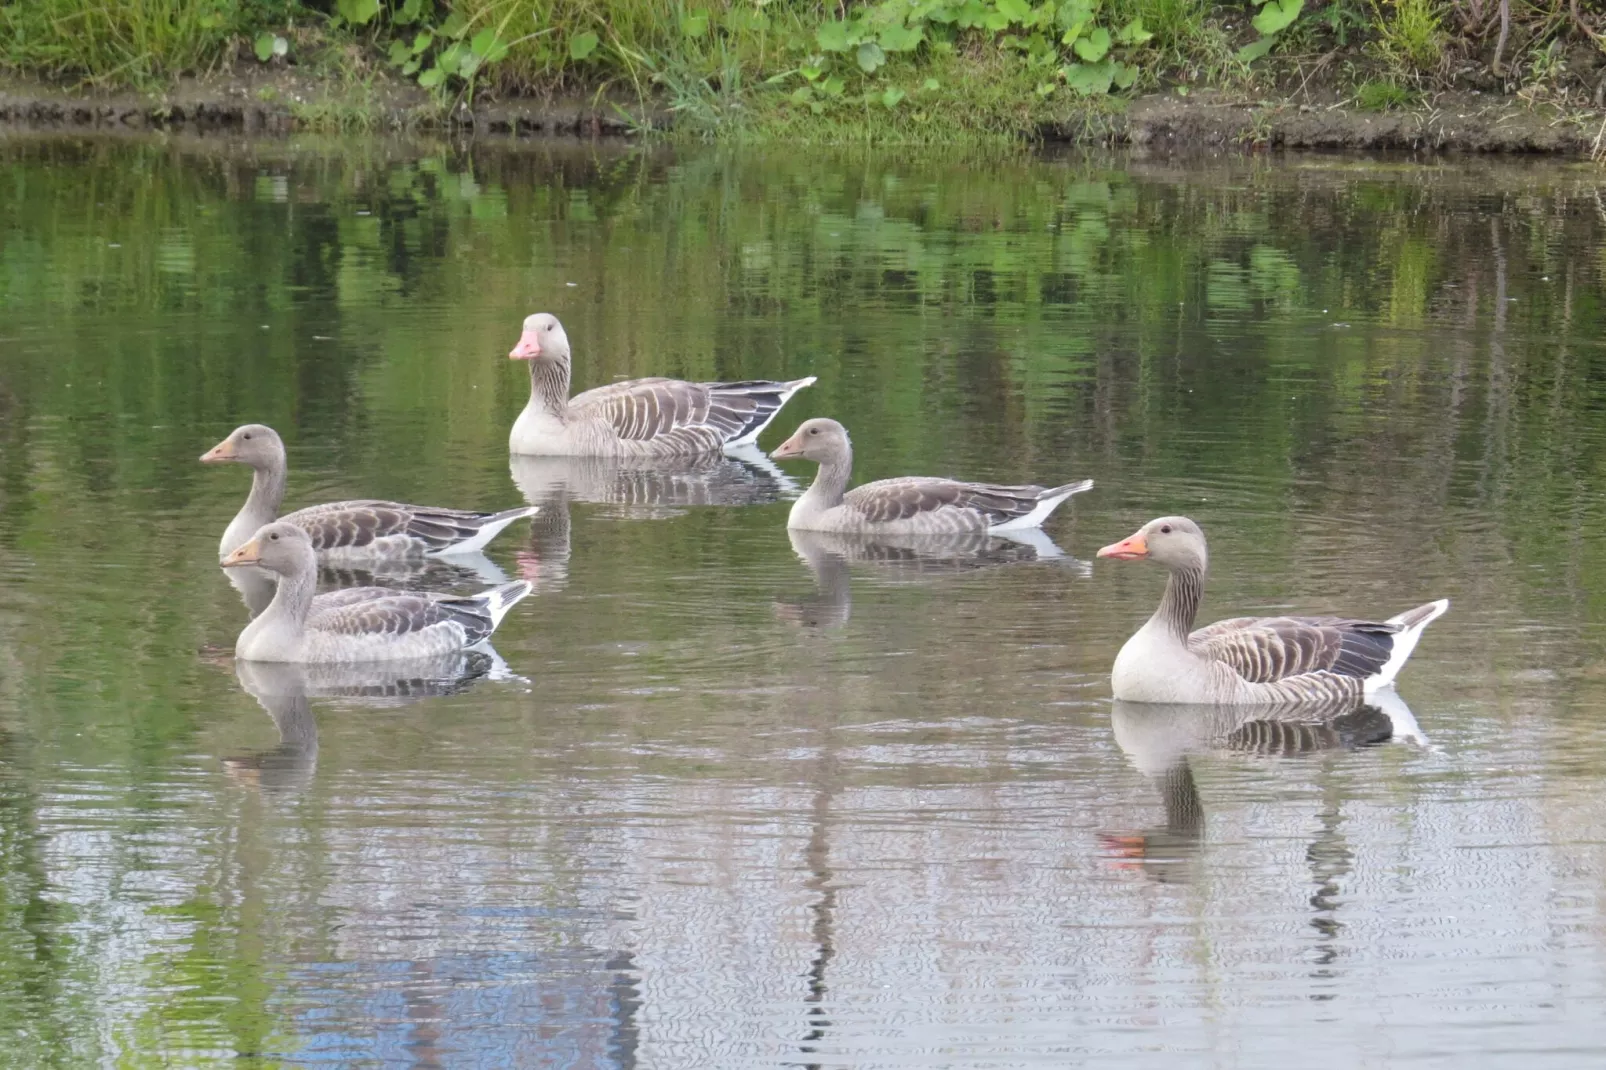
913, 68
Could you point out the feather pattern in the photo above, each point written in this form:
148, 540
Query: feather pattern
358, 623
907, 505
1249, 660
653, 417
350, 531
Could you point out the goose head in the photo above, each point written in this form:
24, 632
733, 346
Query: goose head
278, 547
820, 440
543, 339
254, 444
1174, 541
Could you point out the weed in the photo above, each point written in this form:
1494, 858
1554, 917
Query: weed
1410, 37
137, 42
1383, 95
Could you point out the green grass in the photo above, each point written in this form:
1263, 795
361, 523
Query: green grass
1383, 95
117, 41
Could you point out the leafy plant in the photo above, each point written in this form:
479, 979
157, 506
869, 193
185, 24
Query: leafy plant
1274, 17
1410, 37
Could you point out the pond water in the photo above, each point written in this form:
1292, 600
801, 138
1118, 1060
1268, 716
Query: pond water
735, 799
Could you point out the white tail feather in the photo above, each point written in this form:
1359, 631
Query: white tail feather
488, 531
1404, 643
1046, 504
501, 599
786, 395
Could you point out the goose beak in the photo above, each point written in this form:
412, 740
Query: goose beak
1131, 548
249, 554
792, 447
223, 451
529, 347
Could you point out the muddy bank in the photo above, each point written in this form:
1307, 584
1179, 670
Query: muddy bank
283, 102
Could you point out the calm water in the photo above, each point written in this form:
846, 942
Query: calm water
733, 801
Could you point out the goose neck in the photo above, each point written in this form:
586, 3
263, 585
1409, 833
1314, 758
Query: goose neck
831, 482
549, 387
1179, 607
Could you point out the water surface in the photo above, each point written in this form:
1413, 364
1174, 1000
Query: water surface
740, 799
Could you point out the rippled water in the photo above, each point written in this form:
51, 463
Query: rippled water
740, 799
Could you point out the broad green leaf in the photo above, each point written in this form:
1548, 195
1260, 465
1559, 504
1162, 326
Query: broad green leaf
833, 86
467, 64
582, 45
358, 12
995, 20
1072, 35
449, 60
972, 15
1277, 15
410, 68
488, 46
811, 71
399, 52
1133, 33
870, 57
892, 97
264, 46
432, 78
802, 95
694, 24
1045, 89
833, 36
897, 38
932, 83
1089, 79
1095, 46
1255, 49
422, 41
455, 25
1016, 11
408, 13
1125, 75
1075, 13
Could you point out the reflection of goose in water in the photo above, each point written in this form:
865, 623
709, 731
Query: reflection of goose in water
829, 554
1158, 740
283, 690
256, 585
639, 488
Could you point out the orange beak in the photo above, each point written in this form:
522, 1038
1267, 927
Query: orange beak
249, 554
529, 347
1131, 548
792, 447
223, 451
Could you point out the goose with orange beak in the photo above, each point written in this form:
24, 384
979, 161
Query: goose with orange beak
636, 418
909, 505
351, 532
358, 624
1249, 660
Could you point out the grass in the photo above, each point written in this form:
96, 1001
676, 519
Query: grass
742, 69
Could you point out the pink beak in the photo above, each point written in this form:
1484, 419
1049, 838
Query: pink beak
529, 347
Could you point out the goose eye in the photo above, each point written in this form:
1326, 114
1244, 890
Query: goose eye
248, 438
814, 430
1165, 529
274, 536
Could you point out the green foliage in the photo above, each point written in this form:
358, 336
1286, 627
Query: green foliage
1274, 17
132, 41
1410, 35
1383, 95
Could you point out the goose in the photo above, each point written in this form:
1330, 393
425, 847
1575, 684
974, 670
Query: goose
1249, 660
346, 532
637, 418
358, 623
908, 505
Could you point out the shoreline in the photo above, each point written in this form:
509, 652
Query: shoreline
1452, 122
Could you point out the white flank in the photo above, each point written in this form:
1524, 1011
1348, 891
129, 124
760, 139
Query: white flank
1045, 505
504, 598
487, 532
1404, 643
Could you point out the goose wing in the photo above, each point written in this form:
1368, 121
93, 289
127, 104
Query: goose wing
899, 499
670, 411
1265, 650
375, 611
355, 524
